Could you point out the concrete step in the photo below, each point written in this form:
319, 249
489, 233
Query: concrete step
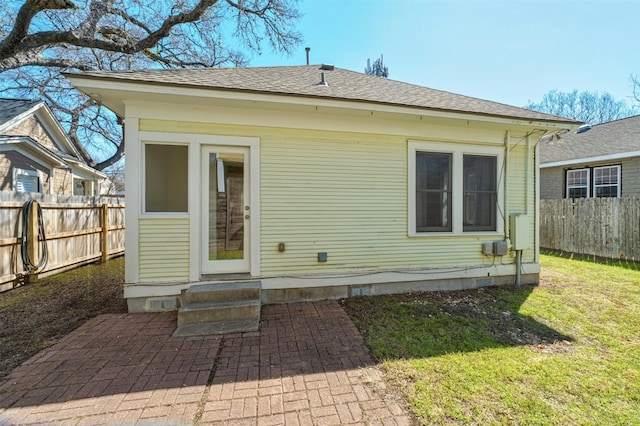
220, 308
218, 311
222, 327
245, 290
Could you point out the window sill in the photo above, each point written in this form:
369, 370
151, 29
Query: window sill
492, 234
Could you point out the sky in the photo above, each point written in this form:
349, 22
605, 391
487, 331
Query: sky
511, 52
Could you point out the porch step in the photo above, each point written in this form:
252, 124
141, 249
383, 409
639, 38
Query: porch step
245, 290
219, 308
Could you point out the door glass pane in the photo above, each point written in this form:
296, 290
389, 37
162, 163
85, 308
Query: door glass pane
226, 206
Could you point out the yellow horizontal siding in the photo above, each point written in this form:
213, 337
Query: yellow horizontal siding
164, 249
346, 194
520, 186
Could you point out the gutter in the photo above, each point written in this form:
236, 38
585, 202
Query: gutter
607, 157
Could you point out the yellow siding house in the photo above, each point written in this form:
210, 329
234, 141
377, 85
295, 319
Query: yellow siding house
318, 182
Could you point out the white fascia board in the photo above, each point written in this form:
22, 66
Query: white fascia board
600, 158
31, 145
88, 171
103, 91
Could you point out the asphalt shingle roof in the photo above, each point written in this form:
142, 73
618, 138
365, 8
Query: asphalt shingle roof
11, 108
341, 85
614, 137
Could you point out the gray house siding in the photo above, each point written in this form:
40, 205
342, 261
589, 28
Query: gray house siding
553, 179
551, 183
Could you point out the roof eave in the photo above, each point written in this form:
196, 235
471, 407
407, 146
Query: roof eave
92, 86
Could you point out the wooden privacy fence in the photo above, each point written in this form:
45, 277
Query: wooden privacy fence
603, 227
78, 230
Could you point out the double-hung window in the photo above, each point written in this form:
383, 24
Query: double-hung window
453, 188
606, 181
480, 193
601, 181
578, 183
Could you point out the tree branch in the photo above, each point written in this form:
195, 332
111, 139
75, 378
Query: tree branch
29, 9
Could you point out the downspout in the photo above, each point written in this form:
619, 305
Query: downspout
507, 143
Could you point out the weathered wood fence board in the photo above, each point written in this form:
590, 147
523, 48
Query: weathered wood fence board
74, 228
603, 227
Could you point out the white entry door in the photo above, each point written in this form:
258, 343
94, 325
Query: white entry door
226, 239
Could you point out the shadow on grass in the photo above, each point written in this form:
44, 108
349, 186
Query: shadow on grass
430, 324
621, 263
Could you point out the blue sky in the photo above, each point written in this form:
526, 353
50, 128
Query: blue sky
505, 51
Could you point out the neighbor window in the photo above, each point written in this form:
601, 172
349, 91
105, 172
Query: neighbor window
601, 181
606, 181
165, 185
453, 188
578, 183
26, 180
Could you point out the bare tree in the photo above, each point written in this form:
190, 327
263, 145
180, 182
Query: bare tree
39, 39
588, 107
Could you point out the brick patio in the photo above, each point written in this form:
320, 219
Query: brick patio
307, 365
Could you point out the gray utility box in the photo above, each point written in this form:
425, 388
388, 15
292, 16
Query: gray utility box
496, 248
520, 232
500, 248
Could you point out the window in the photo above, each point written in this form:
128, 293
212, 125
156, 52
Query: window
594, 182
433, 192
453, 188
578, 183
480, 194
165, 178
606, 181
26, 181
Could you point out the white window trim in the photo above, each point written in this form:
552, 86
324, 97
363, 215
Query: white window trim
588, 182
37, 174
618, 176
457, 150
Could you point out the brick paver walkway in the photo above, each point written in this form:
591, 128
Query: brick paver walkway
307, 365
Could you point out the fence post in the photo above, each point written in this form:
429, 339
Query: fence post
105, 233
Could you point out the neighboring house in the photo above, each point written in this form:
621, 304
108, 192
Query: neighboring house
596, 161
36, 154
320, 182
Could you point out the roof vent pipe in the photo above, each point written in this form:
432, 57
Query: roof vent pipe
307, 49
323, 81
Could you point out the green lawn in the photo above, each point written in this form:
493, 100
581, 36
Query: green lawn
564, 352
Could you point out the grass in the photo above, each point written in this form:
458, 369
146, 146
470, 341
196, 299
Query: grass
35, 316
564, 352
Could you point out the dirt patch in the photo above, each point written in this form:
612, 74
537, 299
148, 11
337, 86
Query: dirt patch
35, 316
491, 310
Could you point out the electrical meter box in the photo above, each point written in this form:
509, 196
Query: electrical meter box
520, 232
